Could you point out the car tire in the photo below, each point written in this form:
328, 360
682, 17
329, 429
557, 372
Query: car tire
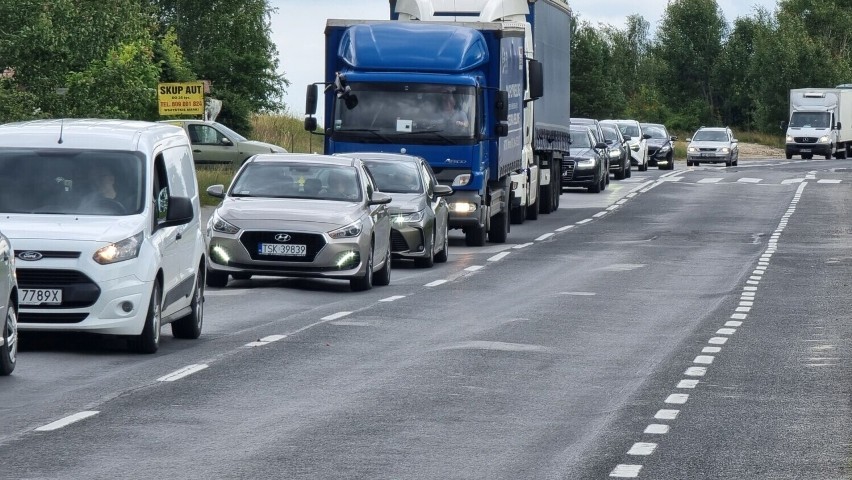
628, 170
594, 187
189, 327
216, 279
499, 230
474, 237
788, 155
383, 276
9, 350
443, 253
429, 260
149, 340
671, 162
365, 281
619, 174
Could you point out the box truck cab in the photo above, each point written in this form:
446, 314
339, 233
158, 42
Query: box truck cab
820, 123
104, 218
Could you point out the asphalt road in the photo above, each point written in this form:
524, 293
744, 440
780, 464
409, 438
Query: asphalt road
680, 325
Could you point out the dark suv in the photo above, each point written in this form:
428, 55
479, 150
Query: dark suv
660, 146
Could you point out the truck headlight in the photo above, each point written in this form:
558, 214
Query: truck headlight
463, 207
461, 180
349, 231
119, 251
824, 139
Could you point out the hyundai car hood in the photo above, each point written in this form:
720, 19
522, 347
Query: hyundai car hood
260, 212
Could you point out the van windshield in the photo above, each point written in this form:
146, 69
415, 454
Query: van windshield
810, 119
71, 182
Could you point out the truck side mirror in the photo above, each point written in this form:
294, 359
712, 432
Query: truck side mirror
501, 106
311, 100
310, 123
536, 71
838, 125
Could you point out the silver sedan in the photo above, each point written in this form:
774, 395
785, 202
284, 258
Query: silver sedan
418, 211
300, 215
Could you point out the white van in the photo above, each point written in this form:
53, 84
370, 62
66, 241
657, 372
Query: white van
104, 218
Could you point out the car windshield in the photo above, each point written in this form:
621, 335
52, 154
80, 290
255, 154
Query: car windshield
655, 131
72, 182
629, 129
289, 180
710, 136
610, 133
395, 177
810, 119
580, 139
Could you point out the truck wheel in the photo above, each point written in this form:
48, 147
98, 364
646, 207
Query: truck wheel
532, 210
499, 228
519, 214
545, 198
474, 236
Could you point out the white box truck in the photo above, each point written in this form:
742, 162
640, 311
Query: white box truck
820, 123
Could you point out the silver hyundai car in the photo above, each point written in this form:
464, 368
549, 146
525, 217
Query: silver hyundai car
418, 211
8, 308
300, 215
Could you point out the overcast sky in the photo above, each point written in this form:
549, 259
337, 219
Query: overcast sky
298, 25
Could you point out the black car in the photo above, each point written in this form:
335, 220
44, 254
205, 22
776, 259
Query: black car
660, 146
619, 151
586, 165
597, 131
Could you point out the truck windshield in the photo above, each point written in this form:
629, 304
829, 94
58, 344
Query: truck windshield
810, 119
72, 182
407, 113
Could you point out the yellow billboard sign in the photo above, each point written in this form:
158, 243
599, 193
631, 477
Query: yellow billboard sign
181, 98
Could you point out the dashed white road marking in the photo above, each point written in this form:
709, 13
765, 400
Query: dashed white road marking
435, 283
726, 331
695, 371
733, 323
749, 180
666, 414
626, 471
581, 222
829, 180
544, 237
710, 180
657, 429
687, 384
335, 316
183, 372
67, 421
474, 268
642, 448
711, 350
392, 299
705, 359
677, 398
499, 256
566, 227
525, 245
599, 214
718, 340
792, 180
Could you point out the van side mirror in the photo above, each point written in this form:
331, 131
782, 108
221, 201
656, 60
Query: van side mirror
783, 125
501, 106
536, 73
311, 99
180, 212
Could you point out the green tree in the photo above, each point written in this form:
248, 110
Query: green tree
228, 42
595, 86
688, 46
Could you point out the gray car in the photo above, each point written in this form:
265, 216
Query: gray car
712, 145
300, 215
418, 211
216, 144
8, 308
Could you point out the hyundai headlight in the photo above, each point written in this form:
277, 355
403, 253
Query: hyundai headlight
824, 139
411, 217
586, 163
349, 231
222, 226
126, 249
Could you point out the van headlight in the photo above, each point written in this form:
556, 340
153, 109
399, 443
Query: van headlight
824, 139
126, 249
790, 139
349, 231
221, 226
725, 150
692, 149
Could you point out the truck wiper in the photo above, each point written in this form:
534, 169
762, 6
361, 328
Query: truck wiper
437, 133
374, 131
